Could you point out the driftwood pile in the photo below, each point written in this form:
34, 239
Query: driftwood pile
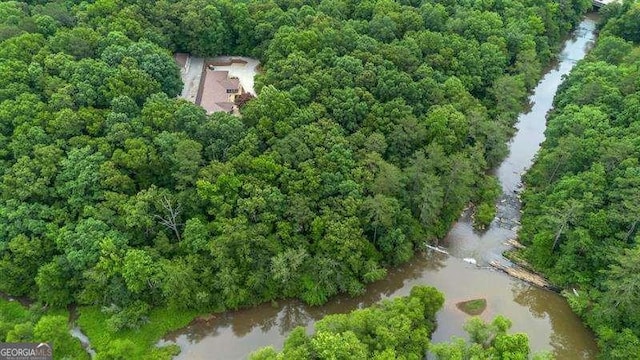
524, 275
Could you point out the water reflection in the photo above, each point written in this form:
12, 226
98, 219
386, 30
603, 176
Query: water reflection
546, 305
543, 315
283, 316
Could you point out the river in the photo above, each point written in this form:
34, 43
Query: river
543, 315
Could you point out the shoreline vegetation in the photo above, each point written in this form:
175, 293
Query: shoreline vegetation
375, 125
401, 328
35, 324
580, 204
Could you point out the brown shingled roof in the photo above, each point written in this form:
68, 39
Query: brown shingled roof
214, 95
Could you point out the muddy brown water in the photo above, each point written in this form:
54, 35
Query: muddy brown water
543, 315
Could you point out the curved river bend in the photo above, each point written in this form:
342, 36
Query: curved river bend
543, 315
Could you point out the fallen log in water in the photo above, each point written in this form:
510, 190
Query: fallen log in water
438, 249
515, 243
524, 275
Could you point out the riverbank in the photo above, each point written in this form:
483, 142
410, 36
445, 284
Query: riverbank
135, 343
522, 270
580, 218
371, 133
237, 331
543, 314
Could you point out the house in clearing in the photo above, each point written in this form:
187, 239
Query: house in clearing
215, 83
218, 91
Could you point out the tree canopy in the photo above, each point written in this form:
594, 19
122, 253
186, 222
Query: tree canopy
394, 329
581, 204
374, 126
399, 329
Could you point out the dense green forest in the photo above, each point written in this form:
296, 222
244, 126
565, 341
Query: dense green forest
375, 124
19, 324
582, 202
399, 329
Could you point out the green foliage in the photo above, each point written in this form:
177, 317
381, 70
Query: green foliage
20, 333
625, 24
54, 329
132, 343
488, 341
132, 316
374, 126
484, 215
11, 314
487, 197
473, 307
581, 209
19, 324
118, 350
398, 328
